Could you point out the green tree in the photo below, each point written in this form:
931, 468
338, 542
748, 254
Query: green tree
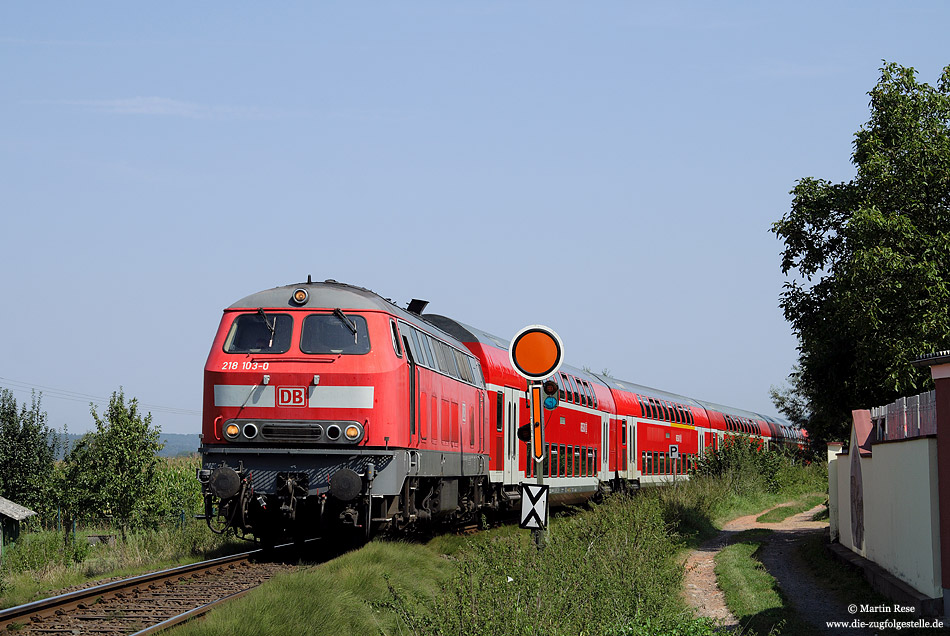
871, 258
27, 453
111, 471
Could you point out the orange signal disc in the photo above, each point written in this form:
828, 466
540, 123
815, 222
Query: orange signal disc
536, 352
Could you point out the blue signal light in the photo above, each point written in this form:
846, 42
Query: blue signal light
551, 402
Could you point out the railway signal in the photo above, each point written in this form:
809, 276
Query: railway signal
535, 353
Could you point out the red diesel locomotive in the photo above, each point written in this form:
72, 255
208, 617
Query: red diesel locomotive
328, 408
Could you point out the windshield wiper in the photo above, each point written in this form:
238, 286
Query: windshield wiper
346, 321
271, 327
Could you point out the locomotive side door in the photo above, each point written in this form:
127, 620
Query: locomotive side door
511, 435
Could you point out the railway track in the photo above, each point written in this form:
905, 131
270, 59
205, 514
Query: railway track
144, 604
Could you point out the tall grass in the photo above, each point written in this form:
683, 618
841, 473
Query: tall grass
610, 570
42, 562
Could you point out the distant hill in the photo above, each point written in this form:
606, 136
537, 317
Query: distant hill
176, 444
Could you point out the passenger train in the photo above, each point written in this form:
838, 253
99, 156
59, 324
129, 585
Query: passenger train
329, 409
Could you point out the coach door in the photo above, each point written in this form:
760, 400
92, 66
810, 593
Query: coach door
605, 448
511, 435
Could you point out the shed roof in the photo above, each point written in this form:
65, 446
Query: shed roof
14, 511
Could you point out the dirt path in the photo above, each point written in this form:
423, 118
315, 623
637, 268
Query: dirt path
780, 557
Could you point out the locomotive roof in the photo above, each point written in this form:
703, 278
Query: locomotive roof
326, 294
332, 294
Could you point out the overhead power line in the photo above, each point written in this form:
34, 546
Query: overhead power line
76, 396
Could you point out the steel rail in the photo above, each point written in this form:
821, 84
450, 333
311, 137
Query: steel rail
189, 615
47, 606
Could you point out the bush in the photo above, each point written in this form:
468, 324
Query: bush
744, 465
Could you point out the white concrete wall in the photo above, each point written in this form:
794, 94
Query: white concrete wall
901, 510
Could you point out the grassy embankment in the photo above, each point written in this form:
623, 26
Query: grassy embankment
42, 563
614, 569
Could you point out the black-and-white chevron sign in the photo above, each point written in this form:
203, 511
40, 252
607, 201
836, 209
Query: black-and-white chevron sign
534, 506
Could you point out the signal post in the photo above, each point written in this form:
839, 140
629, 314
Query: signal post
536, 353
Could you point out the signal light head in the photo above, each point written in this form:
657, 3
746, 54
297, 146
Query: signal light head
550, 389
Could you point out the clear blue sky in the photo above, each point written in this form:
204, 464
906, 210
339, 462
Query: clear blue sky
609, 169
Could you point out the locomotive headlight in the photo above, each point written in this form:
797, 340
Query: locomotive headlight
232, 430
300, 296
250, 430
352, 432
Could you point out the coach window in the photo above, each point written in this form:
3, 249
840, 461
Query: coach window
260, 333
657, 414
329, 334
576, 399
584, 461
569, 462
560, 387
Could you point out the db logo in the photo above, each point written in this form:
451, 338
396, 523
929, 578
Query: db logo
291, 396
